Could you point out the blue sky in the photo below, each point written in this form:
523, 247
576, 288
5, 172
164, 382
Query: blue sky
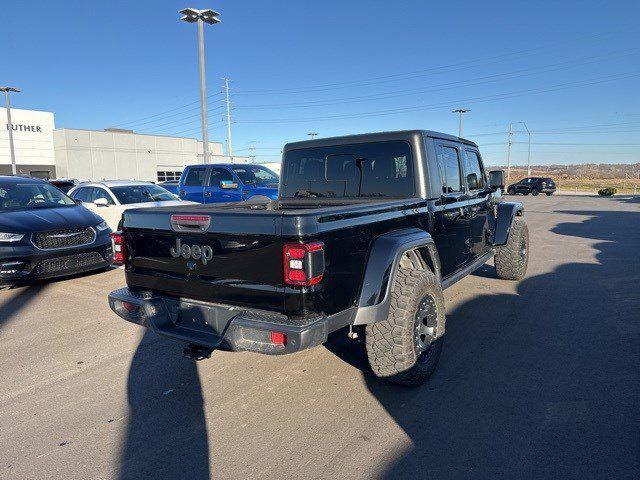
569, 69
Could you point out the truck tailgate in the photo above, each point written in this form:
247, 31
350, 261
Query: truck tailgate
230, 256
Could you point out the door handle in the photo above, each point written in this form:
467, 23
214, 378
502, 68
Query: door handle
207, 194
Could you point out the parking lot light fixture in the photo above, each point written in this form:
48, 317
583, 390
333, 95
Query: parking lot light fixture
7, 103
192, 15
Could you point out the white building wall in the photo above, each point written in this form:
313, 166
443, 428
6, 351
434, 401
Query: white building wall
32, 138
97, 155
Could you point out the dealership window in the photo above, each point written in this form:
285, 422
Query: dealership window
169, 175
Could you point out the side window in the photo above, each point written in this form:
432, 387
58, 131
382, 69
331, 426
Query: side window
101, 193
82, 194
196, 177
218, 175
449, 165
474, 165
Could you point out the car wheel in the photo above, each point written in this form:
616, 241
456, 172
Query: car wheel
511, 260
405, 348
511, 191
535, 192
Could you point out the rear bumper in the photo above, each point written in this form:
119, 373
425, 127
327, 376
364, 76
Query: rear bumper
224, 327
26, 263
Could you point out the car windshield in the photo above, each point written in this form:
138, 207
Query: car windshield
256, 175
31, 195
142, 194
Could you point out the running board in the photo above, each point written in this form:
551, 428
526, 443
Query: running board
463, 272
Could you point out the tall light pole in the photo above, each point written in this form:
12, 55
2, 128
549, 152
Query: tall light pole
313, 135
460, 111
509, 151
7, 104
529, 154
229, 147
191, 15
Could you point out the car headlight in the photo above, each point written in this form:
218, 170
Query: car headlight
102, 226
11, 237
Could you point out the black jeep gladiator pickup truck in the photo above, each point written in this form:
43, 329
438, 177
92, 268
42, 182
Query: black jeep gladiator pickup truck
367, 232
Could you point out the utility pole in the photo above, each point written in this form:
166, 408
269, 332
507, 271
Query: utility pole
191, 15
313, 135
509, 151
460, 111
229, 147
252, 153
7, 104
529, 154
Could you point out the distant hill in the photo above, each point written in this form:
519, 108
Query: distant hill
584, 177
592, 171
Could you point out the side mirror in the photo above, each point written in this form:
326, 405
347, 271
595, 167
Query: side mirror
101, 202
228, 185
472, 181
496, 180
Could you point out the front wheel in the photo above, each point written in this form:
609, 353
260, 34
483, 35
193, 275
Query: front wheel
405, 348
535, 192
512, 259
511, 191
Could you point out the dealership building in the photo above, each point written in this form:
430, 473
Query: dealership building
42, 150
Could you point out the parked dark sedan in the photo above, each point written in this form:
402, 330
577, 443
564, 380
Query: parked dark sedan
533, 186
45, 234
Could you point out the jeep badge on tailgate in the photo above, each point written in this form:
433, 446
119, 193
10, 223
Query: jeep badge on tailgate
197, 252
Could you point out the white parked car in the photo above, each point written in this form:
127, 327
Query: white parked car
110, 198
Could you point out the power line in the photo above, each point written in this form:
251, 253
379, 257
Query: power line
437, 87
164, 112
394, 77
394, 111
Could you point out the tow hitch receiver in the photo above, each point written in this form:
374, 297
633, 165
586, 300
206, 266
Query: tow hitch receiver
196, 352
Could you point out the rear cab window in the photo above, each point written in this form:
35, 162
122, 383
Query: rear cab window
361, 170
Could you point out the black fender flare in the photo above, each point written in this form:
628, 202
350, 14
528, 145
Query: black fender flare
504, 214
382, 264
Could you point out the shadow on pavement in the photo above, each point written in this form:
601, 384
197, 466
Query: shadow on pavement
167, 434
19, 300
539, 384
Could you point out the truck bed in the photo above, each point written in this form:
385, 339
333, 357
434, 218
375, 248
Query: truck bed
246, 268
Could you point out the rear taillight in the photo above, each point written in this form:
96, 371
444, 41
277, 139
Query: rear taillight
303, 263
118, 247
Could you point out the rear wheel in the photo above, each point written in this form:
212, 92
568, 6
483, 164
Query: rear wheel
405, 348
535, 192
511, 191
511, 260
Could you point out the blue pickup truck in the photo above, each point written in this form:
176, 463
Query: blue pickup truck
223, 182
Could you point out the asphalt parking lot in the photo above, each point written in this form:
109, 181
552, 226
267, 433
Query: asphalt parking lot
538, 379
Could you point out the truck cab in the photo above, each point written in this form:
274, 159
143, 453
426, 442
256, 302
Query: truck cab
221, 183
